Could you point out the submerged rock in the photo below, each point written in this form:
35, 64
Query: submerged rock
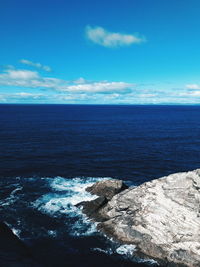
160, 217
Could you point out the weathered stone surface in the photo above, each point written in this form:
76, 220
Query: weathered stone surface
162, 217
90, 208
13, 252
107, 188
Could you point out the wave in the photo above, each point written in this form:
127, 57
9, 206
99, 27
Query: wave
61, 200
127, 251
12, 197
57, 198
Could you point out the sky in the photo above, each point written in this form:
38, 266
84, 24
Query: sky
100, 51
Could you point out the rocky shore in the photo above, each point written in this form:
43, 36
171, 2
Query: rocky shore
160, 217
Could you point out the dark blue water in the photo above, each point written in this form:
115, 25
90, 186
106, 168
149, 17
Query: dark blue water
41, 143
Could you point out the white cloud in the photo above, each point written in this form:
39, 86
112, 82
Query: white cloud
21, 96
22, 74
27, 86
2, 99
191, 94
32, 79
105, 38
29, 79
193, 86
27, 95
80, 81
98, 87
36, 65
147, 95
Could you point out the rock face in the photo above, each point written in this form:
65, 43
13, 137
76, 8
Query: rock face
161, 217
13, 252
90, 208
107, 188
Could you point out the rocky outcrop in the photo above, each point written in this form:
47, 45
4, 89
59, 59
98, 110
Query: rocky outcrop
13, 252
161, 217
91, 208
107, 188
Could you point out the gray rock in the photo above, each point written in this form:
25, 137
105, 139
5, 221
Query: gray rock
90, 208
107, 188
161, 217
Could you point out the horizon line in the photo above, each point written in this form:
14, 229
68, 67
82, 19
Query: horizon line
92, 104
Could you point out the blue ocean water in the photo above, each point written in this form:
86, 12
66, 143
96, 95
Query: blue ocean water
50, 153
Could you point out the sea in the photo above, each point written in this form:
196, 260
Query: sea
49, 154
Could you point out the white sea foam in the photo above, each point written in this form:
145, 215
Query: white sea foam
83, 227
12, 197
52, 233
148, 261
61, 200
108, 251
64, 195
126, 250
17, 232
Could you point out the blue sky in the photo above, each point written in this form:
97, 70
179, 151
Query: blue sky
100, 52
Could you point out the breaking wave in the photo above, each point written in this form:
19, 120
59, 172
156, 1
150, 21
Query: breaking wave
62, 200
56, 199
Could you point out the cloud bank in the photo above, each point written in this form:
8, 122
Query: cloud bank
193, 86
32, 79
31, 87
100, 36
